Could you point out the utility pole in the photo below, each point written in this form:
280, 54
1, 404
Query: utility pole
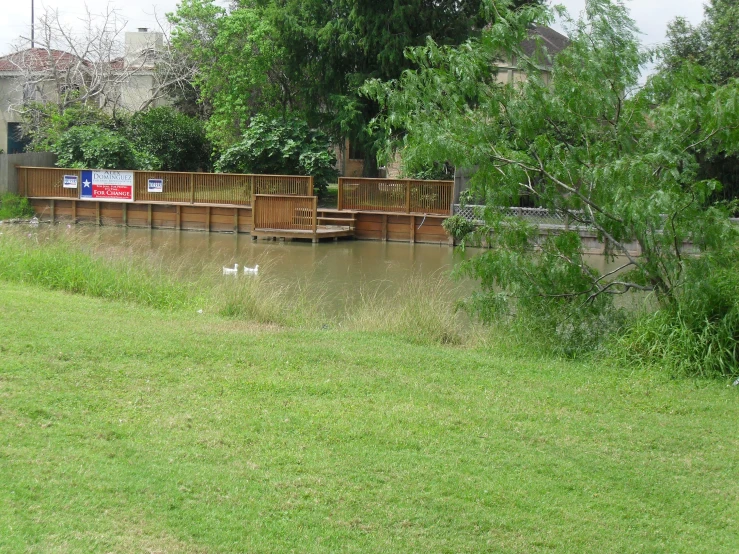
32, 22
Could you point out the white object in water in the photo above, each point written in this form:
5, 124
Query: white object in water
251, 270
231, 271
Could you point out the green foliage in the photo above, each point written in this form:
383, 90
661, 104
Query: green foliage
61, 264
90, 146
240, 64
714, 46
714, 43
283, 147
45, 123
176, 141
458, 226
308, 57
698, 334
588, 144
13, 206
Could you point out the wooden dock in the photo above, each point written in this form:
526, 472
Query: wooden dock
370, 210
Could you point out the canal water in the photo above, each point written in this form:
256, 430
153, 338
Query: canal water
339, 269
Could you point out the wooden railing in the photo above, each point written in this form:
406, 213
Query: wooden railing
178, 187
396, 195
285, 212
46, 181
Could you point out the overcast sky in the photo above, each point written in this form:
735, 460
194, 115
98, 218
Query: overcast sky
651, 16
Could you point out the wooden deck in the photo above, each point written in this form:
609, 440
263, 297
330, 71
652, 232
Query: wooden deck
321, 232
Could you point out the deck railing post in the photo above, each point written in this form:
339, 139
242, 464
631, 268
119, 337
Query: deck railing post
311, 184
251, 187
407, 197
340, 196
192, 188
314, 222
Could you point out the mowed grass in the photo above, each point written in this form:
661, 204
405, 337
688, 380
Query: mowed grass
124, 428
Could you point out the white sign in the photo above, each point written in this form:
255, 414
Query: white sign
111, 184
155, 185
70, 182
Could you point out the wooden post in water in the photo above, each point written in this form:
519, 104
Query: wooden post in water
125, 215
97, 212
74, 211
53, 210
314, 222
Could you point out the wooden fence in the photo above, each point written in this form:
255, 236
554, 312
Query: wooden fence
396, 195
178, 187
285, 212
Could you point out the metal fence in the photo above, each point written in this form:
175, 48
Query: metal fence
536, 216
177, 187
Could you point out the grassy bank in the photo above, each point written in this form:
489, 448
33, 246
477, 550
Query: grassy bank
421, 309
131, 429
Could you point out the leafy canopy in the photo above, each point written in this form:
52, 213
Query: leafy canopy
586, 143
308, 58
93, 147
282, 147
176, 140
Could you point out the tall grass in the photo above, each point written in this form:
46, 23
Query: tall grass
13, 206
62, 263
423, 309
698, 333
267, 300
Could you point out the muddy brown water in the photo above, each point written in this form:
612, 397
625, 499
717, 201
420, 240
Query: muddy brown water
339, 269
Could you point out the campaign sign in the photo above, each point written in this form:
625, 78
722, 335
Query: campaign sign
70, 182
107, 184
155, 185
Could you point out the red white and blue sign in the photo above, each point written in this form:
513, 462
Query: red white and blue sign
70, 182
107, 184
155, 185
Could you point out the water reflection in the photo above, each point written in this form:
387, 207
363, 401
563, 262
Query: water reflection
340, 268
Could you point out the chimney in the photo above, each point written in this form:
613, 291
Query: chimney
141, 47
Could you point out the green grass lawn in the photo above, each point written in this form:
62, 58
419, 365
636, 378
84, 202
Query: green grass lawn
128, 429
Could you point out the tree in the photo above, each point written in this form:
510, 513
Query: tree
713, 45
590, 146
89, 68
282, 147
309, 57
176, 141
239, 65
93, 147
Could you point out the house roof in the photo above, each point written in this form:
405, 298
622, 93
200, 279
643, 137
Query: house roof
38, 59
553, 41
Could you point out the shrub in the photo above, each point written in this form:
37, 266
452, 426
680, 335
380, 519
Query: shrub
91, 146
698, 333
45, 124
287, 147
13, 206
176, 140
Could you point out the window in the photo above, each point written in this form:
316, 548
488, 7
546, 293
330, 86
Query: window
16, 141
